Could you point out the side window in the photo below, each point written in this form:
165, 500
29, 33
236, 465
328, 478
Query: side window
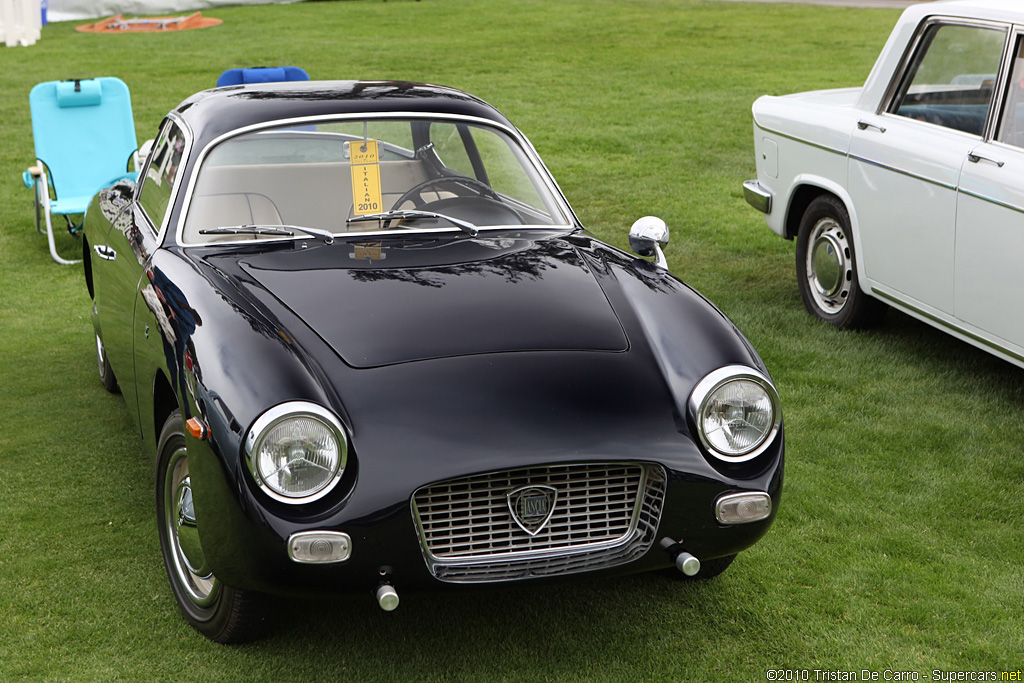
1011, 124
951, 79
162, 173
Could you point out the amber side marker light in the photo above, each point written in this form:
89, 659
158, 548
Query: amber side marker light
197, 428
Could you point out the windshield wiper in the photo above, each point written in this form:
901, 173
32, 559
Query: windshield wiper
388, 216
286, 230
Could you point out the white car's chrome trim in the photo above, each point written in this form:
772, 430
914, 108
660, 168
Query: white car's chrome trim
757, 196
908, 174
805, 141
957, 329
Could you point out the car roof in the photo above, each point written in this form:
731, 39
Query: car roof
212, 113
1011, 11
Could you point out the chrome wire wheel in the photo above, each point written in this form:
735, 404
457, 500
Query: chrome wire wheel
186, 554
222, 613
829, 266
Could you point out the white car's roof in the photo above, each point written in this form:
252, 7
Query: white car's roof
995, 10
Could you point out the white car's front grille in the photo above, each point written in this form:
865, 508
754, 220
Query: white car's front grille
598, 515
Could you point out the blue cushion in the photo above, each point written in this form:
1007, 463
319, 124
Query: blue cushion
262, 74
86, 93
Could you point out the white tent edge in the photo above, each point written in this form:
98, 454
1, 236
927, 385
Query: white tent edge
77, 10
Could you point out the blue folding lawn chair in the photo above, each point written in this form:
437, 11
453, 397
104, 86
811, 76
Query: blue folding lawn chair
84, 135
261, 74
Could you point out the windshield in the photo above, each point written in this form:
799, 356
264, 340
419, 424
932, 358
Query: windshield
358, 176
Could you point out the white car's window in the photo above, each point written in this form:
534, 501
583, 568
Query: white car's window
951, 79
338, 175
1011, 124
162, 173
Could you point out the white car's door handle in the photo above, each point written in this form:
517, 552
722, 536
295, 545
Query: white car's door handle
864, 125
105, 252
975, 158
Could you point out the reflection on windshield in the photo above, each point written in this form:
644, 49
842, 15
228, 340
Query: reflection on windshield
335, 175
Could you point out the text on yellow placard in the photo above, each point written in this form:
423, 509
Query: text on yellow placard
366, 194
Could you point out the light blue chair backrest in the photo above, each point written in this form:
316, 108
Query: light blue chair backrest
84, 132
261, 74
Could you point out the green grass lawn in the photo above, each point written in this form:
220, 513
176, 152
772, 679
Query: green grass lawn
899, 540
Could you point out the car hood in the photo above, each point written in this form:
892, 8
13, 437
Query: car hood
379, 303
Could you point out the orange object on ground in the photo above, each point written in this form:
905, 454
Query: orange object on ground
119, 24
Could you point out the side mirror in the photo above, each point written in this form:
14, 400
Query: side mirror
143, 153
647, 236
113, 199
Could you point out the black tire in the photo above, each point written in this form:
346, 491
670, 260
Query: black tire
107, 378
221, 613
826, 267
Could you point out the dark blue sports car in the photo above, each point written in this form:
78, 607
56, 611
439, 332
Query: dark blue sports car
372, 348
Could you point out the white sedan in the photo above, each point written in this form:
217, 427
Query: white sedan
909, 191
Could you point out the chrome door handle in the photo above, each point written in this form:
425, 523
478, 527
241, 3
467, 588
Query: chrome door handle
105, 252
864, 125
975, 158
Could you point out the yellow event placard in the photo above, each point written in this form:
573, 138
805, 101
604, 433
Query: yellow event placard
366, 195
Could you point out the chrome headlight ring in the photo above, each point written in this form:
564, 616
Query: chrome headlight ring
296, 452
737, 413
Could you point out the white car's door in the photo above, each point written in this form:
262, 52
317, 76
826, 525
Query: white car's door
905, 162
990, 222
903, 184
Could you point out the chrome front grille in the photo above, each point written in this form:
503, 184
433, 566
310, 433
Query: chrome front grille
604, 514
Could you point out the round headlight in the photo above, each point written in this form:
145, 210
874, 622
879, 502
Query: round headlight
736, 411
296, 452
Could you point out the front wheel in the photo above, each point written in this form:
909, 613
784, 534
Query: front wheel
826, 267
221, 613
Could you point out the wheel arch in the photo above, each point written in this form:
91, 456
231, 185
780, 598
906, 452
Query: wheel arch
165, 402
87, 267
806, 190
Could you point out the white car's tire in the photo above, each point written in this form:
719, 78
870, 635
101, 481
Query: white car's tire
826, 267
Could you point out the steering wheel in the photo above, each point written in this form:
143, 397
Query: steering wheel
415, 193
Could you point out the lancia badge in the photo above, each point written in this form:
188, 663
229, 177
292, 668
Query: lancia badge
532, 507
368, 251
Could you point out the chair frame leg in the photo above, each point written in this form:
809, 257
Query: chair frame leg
38, 207
43, 202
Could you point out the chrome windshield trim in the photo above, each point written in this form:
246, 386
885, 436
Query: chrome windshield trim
186, 130
561, 203
376, 234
